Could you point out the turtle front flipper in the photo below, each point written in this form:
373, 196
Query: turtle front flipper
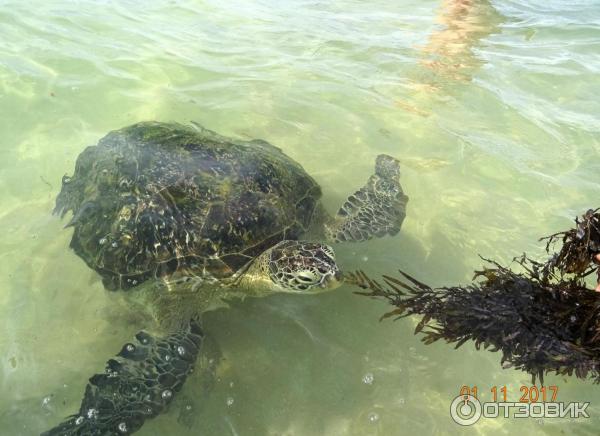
375, 210
138, 384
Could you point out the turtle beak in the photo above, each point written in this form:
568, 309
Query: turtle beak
332, 281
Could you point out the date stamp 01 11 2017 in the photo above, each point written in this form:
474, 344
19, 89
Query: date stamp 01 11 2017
534, 402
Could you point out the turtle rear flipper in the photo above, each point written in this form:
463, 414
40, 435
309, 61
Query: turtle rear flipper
138, 384
375, 210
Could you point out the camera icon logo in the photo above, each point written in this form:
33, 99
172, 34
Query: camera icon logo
465, 410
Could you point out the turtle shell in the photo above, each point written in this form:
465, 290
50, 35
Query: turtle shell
153, 198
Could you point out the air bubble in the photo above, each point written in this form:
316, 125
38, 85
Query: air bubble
167, 357
229, 401
130, 348
134, 282
365, 258
92, 413
114, 245
188, 407
573, 318
368, 378
79, 420
46, 401
102, 241
166, 394
181, 350
373, 417
122, 427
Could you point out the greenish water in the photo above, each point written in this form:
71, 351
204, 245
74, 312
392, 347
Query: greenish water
491, 107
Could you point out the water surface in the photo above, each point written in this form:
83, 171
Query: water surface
490, 106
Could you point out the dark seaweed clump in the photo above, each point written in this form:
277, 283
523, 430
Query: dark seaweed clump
579, 245
542, 319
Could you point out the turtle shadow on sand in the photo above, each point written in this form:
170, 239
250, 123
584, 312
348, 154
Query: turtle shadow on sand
181, 220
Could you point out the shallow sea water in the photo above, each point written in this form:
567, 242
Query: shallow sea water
492, 108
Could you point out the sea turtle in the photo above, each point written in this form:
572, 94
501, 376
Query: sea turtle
180, 217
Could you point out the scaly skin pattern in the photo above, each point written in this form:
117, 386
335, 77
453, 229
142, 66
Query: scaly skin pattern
375, 210
137, 385
155, 198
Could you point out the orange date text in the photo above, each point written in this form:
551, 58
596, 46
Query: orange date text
528, 394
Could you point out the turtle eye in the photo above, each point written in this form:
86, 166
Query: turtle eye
307, 277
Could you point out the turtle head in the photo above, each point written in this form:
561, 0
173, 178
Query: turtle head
302, 267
